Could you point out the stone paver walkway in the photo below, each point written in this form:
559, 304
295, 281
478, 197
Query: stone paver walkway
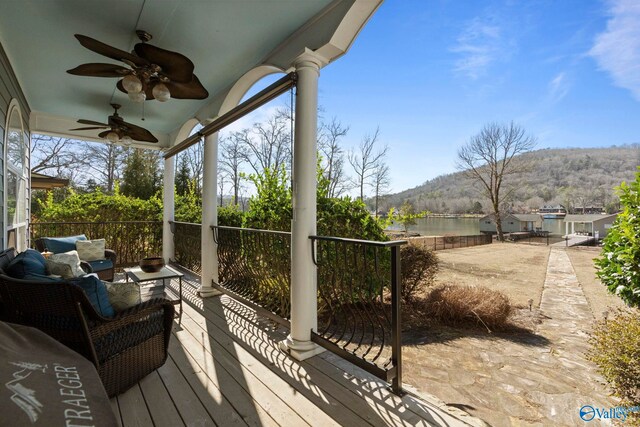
517, 379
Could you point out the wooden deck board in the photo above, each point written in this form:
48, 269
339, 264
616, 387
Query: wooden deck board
133, 408
161, 408
225, 368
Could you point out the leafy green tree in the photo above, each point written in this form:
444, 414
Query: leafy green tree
141, 177
188, 206
406, 216
619, 265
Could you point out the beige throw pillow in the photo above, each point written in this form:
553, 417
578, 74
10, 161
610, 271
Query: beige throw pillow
90, 250
70, 258
123, 295
59, 269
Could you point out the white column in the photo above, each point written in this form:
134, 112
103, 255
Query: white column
566, 228
168, 209
303, 225
573, 228
209, 255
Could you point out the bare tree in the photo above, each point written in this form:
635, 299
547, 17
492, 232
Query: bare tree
56, 155
194, 156
380, 182
333, 156
233, 154
107, 161
268, 144
490, 157
365, 161
222, 180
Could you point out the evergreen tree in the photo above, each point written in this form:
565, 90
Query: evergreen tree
141, 177
183, 176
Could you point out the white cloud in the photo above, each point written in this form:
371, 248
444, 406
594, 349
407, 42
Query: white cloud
617, 49
479, 45
558, 87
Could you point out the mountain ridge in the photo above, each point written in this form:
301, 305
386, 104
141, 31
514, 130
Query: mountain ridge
568, 176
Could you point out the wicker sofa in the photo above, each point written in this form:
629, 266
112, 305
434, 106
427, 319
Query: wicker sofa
124, 348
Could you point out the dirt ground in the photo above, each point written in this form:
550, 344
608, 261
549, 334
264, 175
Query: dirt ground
600, 300
530, 376
516, 269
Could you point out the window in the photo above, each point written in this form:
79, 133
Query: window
16, 180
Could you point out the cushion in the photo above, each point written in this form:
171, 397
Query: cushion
27, 263
59, 245
90, 250
101, 264
123, 294
96, 291
59, 268
43, 278
71, 258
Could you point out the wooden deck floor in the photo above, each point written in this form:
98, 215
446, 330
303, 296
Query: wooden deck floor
225, 369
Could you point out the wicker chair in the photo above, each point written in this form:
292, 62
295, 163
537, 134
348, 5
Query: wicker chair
106, 274
124, 348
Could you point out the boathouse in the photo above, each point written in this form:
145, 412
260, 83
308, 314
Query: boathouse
589, 224
511, 223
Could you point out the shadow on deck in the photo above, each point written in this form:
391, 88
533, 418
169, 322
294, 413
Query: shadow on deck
225, 368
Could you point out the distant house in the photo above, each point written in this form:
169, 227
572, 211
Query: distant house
552, 212
589, 224
511, 223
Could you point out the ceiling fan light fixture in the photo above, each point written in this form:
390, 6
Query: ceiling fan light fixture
126, 140
113, 137
132, 84
161, 92
137, 96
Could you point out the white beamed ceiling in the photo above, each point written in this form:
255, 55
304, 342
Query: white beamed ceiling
224, 39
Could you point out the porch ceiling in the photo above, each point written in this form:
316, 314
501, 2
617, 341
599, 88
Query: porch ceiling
224, 39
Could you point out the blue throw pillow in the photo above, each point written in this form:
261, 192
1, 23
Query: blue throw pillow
29, 262
59, 245
96, 291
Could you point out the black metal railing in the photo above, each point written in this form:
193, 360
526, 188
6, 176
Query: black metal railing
131, 240
187, 243
359, 303
255, 265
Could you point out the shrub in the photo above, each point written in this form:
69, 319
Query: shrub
453, 305
615, 348
230, 216
419, 268
619, 266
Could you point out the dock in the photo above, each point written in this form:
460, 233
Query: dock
575, 240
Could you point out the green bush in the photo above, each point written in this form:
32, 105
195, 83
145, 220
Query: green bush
230, 216
615, 348
418, 270
619, 265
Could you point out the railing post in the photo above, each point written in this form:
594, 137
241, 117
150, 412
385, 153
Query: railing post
396, 321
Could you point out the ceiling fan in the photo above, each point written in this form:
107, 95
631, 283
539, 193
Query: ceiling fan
154, 73
118, 129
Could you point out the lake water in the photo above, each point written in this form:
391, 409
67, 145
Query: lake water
438, 226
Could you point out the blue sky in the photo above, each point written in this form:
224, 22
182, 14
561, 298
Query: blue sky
431, 73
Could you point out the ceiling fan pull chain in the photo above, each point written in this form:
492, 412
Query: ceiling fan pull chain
143, 111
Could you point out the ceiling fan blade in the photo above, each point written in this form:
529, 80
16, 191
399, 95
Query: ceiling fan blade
91, 122
175, 66
99, 70
191, 90
138, 133
109, 51
91, 128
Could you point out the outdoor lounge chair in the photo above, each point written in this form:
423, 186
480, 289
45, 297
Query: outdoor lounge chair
104, 268
124, 349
